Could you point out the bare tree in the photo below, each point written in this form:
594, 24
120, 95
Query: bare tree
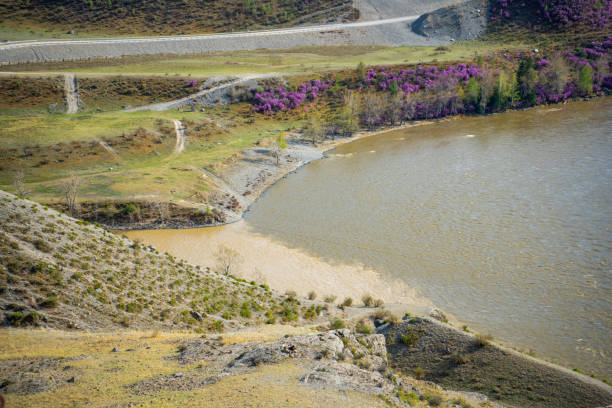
19, 183
349, 114
373, 107
227, 260
314, 129
70, 188
559, 74
163, 211
278, 145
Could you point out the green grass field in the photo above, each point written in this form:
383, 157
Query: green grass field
144, 170
135, 171
305, 60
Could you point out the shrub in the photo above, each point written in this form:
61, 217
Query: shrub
419, 373
312, 295
216, 326
482, 340
329, 299
337, 324
15, 318
367, 300
433, 400
459, 358
379, 303
410, 338
133, 307
42, 245
347, 302
245, 310
363, 327
289, 313
49, 302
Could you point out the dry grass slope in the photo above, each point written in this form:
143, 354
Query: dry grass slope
58, 272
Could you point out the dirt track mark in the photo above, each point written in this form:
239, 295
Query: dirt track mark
180, 137
72, 98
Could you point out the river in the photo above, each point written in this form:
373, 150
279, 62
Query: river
503, 221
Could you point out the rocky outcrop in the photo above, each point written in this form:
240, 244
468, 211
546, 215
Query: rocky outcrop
465, 21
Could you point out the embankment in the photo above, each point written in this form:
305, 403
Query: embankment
459, 360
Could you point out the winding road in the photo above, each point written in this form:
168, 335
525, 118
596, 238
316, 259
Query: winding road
204, 97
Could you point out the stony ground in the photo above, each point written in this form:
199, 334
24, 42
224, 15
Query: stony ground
272, 367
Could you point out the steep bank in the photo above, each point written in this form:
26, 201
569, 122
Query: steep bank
459, 360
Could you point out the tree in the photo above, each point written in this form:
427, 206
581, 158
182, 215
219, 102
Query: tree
70, 188
227, 260
163, 211
19, 183
395, 109
559, 74
502, 93
585, 80
473, 91
314, 129
373, 108
360, 70
527, 77
349, 113
278, 145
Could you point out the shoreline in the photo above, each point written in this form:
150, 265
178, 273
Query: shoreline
241, 165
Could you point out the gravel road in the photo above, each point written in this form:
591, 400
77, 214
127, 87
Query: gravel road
391, 31
382, 22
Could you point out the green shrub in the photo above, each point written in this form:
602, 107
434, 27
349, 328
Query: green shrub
216, 326
337, 324
245, 310
433, 400
49, 302
15, 318
133, 307
419, 373
363, 328
410, 338
289, 313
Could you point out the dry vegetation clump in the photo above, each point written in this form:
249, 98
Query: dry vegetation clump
116, 92
31, 92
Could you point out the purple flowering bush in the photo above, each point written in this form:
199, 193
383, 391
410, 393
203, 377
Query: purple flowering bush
392, 96
281, 99
421, 78
555, 13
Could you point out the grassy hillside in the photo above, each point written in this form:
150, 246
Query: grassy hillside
127, 17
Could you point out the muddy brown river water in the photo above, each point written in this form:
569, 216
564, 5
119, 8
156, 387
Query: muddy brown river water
503, 221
